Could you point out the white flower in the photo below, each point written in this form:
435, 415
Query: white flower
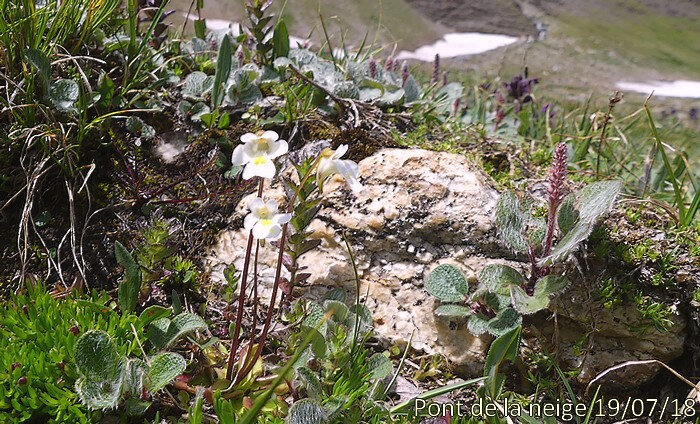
330, 163
257, 152
264, 220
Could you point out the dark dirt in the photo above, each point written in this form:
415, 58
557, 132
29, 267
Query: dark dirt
494, 16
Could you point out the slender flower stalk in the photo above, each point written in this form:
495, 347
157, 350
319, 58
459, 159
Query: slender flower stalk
555, 192
444, 78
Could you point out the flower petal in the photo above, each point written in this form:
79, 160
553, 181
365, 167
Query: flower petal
271, 207
240, 155
260, 166
278, 148
248, 137
250, 221
261, 230
282, 218
326, 168
255, 204
340, 151
270, 135
275, 232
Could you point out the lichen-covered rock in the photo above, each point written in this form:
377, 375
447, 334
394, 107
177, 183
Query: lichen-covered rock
419, 209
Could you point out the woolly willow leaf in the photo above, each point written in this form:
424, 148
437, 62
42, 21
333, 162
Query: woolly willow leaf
478, 324
135, 377
369, 94
511, 220
99, 394
196, 85
505, 321
379, 366
96, 356
392, 98
311, 382
453, 311
496, 301
567, 216
339, 309
447, 284
544, 288
63, 94
163, 332
346, 90
307, 411
498, 278
165, 367
528, 304
412, 90
593, 201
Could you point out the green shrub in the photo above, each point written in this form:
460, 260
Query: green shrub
37, 338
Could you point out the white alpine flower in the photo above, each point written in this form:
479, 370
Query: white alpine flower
264, 220
256, 154
330, 163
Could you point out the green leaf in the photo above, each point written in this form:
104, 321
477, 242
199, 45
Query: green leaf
97, 357
99, 394
526, 304
478, 324
504, 348
223, 409
379, 366
165, 367
411, 90
280, 40
567, 216
41, 64
135, 377
130, 288
511, 220
339, 309
196, 85
498, 278
318, 344
447, 283
153, 313
504, 322
163, 332
307, 411
63, 94
223, 70
593, 201
544, 288
198, 110
311, 382
453, 311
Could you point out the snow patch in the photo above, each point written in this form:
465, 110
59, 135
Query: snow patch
459, 44
678, 88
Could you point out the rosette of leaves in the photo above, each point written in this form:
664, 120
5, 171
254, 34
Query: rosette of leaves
486, 311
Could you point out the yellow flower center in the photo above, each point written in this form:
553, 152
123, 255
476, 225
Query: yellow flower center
259, 160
